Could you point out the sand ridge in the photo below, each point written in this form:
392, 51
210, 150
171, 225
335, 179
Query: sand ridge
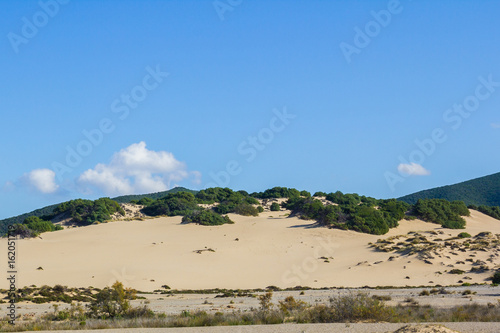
255, 252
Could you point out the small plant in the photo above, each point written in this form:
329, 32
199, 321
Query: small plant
496, 278
290, 304
464, 235
424, 292
456, 271
265, 301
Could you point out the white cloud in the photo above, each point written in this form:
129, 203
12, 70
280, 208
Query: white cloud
495, 125
136, 169
413, 169
43, 180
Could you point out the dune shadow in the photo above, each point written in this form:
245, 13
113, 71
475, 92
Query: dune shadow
306, 226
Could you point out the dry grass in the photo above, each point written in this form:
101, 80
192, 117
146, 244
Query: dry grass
353, 307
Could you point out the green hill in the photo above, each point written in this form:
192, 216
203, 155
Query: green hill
479, 191
46, 211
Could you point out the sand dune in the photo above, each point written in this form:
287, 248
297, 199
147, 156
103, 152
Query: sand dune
252, 253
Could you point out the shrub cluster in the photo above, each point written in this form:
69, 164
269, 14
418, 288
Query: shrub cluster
206, 217
350, 212
85, 212
279, 192
180, 203
493, 211
186, 204
443, 212
33, 226
275, 207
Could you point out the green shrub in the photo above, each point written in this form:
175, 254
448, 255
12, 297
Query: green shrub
86, 212
172, 204
206, 217
112, 302
441, 211
38, 225
357, 307
275, 207
277, 192
464, 235
260, 209
22, 231
246, 209
490, 210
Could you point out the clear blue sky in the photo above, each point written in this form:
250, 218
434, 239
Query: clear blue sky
316, 95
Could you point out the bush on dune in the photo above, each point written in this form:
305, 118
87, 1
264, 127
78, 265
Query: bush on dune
206, 217
85, 212
440, 211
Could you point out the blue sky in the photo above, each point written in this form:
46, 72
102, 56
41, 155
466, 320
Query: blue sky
381, 98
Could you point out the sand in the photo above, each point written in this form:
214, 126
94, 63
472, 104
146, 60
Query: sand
255, 252
324, 328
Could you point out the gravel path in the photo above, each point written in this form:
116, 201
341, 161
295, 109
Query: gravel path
305, 328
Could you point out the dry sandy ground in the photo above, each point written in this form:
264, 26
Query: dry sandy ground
210, 303
252, 253
326, 328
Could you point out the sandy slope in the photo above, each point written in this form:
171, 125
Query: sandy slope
270, 250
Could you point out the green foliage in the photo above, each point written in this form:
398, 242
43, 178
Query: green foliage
206, 217
260, 209
344, 199
38, 225
368, 220
246, 209
442, 212
350, 213
305, 194
464, 235
137, 197
111, 302
480, 191
229, 201
369, 201
319, 194
215, 194
145, 201
179, 203
275, 207
85, 212
277, 192
44, 213
32, 227
22, 231
393, 211
460, 208
490, 211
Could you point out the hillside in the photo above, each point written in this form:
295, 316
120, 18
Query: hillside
46, 211
480, 191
